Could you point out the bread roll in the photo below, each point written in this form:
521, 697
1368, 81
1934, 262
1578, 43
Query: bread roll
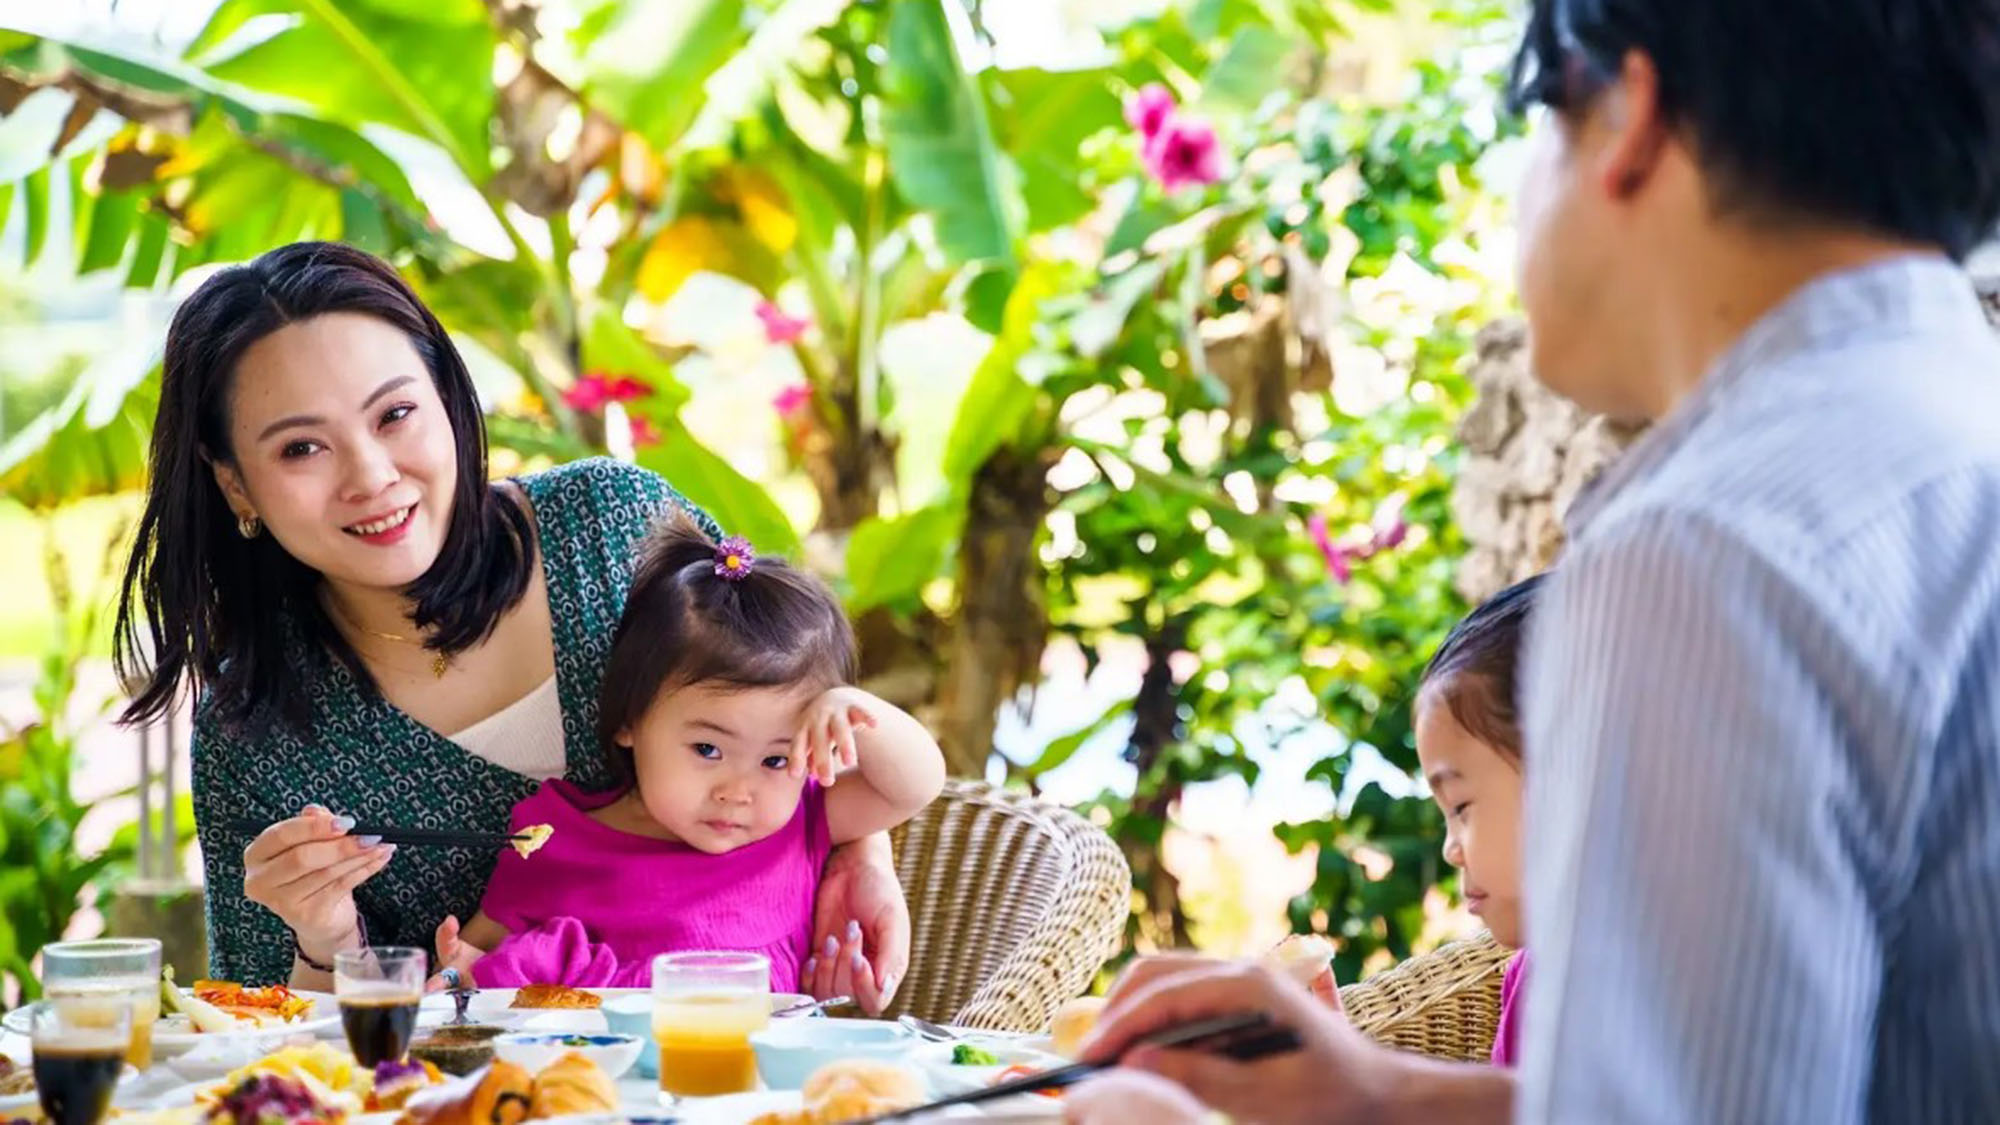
850, 1080
1073, 1023
555, 996
1302, 957
497, 1094
573, 1084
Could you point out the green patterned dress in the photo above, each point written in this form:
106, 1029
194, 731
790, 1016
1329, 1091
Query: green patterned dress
368, 759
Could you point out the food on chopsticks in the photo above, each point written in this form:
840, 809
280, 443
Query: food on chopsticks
537, 835
1021, 1070
1073, 1023
1302, 957
572, 1084
851, 1090
555, 996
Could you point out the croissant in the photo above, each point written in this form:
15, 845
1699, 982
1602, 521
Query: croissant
863, 1078
573, 1084
499, 1093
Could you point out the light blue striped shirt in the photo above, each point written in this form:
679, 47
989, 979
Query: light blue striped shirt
1763, 812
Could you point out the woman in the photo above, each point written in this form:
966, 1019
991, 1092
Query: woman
374, 629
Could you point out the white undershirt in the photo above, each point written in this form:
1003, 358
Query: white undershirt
525, 736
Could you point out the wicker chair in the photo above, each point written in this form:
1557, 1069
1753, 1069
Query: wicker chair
1445, 1003
1015, 905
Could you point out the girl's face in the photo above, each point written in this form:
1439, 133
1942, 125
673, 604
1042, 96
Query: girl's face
1479, 789
342, 448
712, 760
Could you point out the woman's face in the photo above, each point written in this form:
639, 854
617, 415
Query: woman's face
343, 450
1479, 790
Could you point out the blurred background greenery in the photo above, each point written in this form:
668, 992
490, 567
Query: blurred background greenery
1105, 357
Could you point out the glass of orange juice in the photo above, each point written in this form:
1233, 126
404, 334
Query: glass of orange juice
705, 1005
109, 968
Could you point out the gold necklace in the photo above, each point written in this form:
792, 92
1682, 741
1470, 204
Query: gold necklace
440, 661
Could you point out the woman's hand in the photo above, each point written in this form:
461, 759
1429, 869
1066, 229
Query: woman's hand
1335, 1076
825, 743
861, 911
305, 870
1122, 1095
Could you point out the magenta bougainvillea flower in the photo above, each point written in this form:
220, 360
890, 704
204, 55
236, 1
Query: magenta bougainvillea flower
1185, 153
778, 327
792, 400
1148, 109
595, 389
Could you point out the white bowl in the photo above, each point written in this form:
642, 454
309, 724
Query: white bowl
533, 1050
789, 1051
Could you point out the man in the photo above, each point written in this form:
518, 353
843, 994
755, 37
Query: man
1763, 697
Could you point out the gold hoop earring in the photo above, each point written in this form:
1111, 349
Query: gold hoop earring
249, 526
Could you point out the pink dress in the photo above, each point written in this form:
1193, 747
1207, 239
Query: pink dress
595, 904
1507, 1037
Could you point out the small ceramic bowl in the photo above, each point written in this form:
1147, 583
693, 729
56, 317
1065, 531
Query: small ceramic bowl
533, 1050
458, 1049
633, 1015
789, 1051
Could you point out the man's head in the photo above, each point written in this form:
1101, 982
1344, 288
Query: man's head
1690, 143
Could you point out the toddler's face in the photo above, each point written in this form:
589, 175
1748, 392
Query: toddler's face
712, 760
1479, 789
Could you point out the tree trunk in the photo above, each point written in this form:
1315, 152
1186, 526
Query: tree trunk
1156, 727
1002, 622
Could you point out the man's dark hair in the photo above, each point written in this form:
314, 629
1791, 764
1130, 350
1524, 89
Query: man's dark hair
1878, 114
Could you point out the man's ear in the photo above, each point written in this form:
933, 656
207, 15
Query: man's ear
1633, 127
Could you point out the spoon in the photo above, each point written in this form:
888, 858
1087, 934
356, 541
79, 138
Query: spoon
807, 1008
928, 1030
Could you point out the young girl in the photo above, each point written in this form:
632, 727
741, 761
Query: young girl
745, 757
1469, 741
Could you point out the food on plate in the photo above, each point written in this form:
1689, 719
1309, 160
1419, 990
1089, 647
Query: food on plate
1302, 957
394, 1083
457, 1048
572, 1084
965, 1054
260, 1005
498, 1093
1073, 1023
555, 996
851, 1090
320, 1065
270, 1099
15, 1079
537, 835
1020, 1070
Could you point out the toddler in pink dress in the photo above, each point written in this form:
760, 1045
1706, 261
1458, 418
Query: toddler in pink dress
746, 759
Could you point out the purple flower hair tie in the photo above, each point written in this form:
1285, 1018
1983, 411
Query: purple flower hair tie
734, 559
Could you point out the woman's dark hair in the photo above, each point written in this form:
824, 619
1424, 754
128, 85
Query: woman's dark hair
1476, 671
1882, 114
218, 609
687, 624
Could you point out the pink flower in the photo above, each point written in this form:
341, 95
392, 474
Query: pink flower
643, 433
594, 389
1184, 153
1148, 109
779, 328
1390, 527
1336, 555
792, 400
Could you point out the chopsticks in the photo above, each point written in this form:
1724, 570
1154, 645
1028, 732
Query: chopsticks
1247, 1036
422, 837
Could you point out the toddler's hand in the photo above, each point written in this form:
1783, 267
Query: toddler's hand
825, 743
453, 952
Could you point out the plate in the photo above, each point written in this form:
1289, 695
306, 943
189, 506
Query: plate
933, 1061
323, 1015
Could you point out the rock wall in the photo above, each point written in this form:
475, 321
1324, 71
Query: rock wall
1529, 452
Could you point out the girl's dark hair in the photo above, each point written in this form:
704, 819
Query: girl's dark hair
1476, 671
218, 609
685, 624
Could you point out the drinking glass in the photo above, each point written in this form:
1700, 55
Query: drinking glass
110, 967
379, 989
79, 1045
705, 1005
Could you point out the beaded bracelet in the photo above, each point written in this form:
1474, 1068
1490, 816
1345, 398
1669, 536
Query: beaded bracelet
299, 951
